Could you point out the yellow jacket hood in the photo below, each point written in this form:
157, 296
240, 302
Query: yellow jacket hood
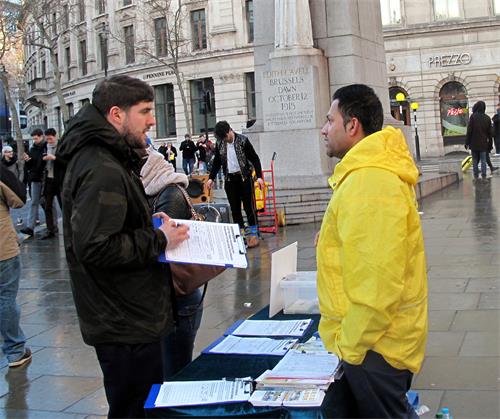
385, 149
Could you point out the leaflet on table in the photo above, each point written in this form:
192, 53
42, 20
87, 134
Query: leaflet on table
250, 346
292, 398
293, 328
194, 393
217, 244
289, 383
312, 365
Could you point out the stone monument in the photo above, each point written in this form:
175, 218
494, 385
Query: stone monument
304, 51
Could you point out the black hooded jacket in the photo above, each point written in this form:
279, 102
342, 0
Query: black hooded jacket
121, 292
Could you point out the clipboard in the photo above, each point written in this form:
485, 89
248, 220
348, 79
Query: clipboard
216, 244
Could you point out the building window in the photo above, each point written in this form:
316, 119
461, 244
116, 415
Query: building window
446, 9
391, 12
454, 109
44, 69
129, 44
397, 108
127, 2
250, 88
202, 103
84, 102
83, 57
103, 51
81, 10
67, 54
249, 16
496, 7
65, 16
165, 111
71, 110
100, 6
199, 29
161, 36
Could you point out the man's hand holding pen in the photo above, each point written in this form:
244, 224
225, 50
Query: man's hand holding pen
175, 233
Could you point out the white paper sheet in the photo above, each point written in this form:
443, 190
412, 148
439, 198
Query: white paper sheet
218, 244
283, 262
295, 328
308, 365
193, 393
257, 346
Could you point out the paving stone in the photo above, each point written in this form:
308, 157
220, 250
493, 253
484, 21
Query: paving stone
477, 320
483, 285
441, 320
459, 373
472, 404
489, 301
432, 399
446, 285
481, 344
444, 343
93, 404
51, 393
455, 301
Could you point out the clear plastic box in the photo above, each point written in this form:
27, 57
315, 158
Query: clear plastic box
300, 295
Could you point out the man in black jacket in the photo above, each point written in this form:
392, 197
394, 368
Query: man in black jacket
235, 154
121, 292
36, 166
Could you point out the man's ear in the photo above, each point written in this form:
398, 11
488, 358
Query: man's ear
355, 129
116, 116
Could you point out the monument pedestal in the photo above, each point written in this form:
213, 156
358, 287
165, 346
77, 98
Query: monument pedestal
295, 101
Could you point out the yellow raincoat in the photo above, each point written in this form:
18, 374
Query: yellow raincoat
372, 282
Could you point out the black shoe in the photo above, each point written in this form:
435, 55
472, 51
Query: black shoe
27, 230
47, 235
25, 359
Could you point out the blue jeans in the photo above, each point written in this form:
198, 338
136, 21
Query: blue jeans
36, 190
188, 166
177, 347
476, 157
13, 336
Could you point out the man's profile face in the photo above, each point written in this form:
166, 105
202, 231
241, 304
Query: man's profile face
337, 140
51, 139
37, 138
137, 122
8, 155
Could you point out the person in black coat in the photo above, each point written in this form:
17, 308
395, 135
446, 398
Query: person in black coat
496, 130
478, 138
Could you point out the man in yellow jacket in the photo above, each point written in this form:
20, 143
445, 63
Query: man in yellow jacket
372, 283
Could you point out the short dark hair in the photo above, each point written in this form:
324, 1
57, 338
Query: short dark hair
37, 131
361, 102
222, 128
50, 131
121, 91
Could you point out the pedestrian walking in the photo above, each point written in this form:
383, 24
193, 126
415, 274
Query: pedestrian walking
36, 166
122, 294
12, 195
478, 138
236, 156
9, 160
371, 278
188, 149
496, 130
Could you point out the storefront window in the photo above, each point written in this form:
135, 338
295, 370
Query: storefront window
165, 110
497, 7
454, 108
391, 12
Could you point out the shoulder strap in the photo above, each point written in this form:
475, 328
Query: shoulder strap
194, 215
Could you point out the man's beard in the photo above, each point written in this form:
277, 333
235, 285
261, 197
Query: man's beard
134, 141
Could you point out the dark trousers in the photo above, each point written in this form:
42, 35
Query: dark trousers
129, 372
373, 389
50, 192
178, 345
238, 191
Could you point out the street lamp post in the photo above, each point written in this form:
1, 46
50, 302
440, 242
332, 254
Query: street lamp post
400, 98
414, 106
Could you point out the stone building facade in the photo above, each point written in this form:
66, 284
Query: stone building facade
445, 56
124, 37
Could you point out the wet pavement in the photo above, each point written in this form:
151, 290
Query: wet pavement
461, 367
